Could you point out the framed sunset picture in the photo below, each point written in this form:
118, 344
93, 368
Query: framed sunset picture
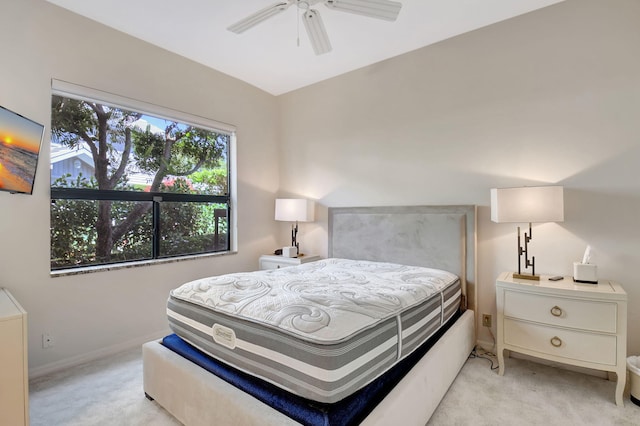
20, 141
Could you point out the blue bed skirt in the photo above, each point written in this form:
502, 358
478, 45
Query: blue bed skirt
350, 411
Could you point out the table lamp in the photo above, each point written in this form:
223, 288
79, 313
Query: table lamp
295, 210
527, 204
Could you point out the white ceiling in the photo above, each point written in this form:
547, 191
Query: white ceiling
267, 56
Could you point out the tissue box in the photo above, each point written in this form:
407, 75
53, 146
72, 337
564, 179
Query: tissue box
290, 251
585, 273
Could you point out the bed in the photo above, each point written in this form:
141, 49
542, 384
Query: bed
441, 237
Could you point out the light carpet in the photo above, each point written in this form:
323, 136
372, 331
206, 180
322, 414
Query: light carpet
109, 392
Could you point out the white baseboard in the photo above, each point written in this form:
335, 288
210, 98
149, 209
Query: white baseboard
94, 355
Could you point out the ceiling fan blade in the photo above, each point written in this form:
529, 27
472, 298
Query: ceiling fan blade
381, 9
261, 15
316, 32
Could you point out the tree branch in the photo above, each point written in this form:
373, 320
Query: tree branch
124, 160
136, 213
193, 169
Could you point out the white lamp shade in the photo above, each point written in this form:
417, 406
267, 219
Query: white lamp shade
527, 204
295, 209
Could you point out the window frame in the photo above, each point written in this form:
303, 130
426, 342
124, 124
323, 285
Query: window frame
73, 91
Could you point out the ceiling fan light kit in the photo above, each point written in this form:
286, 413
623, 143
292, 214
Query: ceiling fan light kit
379, 9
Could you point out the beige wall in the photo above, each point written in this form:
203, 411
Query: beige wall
96, 313
551, 97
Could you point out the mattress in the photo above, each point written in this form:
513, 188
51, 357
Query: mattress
321, 330
351, 410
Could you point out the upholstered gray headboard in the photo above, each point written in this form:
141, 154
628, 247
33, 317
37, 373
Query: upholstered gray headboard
442, 237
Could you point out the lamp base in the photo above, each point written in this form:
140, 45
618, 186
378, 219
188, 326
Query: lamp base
527, 277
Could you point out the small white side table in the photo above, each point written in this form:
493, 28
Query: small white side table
272, 261
577, 324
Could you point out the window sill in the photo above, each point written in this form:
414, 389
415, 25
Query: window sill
116, 266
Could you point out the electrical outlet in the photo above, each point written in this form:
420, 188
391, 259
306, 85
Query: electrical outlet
47, 340
486, 320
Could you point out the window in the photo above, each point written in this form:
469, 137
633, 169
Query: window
133, 181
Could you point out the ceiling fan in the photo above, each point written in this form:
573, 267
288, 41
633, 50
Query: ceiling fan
380, 9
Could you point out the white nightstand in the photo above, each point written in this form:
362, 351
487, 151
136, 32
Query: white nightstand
271, 261
578, 324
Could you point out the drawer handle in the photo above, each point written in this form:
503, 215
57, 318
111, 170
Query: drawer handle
556, 311
556, 341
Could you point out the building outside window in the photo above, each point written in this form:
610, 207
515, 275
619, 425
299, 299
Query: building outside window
132, 181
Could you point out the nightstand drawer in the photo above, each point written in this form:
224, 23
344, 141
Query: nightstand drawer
571, 344
574, 313
273, 264
270, 261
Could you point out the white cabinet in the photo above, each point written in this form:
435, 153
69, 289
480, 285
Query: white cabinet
566, 322
14, 378
270, 261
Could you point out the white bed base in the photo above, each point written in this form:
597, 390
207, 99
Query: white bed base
441, 237
196, 397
